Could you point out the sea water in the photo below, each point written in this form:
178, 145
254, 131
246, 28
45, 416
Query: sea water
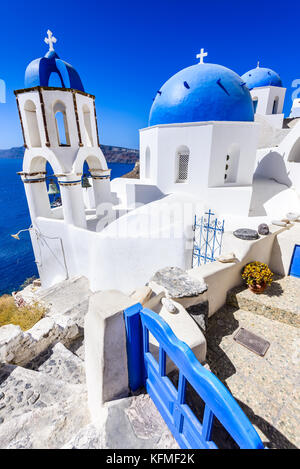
16, 257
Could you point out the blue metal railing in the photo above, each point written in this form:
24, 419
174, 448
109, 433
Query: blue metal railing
208, 236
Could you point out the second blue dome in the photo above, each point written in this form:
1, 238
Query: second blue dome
261, 76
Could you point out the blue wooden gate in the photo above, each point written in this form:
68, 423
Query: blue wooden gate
295, 262
144, 370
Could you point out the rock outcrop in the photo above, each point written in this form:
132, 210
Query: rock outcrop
135, 173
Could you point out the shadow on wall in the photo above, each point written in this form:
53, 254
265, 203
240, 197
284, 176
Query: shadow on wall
272, 166
276, 262
270, 178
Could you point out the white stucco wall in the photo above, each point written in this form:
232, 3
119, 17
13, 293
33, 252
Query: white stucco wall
123, 255
282, 163
105, 350
265, 96
208, 143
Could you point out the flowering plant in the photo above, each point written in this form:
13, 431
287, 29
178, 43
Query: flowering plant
257, 273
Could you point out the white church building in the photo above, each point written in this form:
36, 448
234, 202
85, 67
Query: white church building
215, 140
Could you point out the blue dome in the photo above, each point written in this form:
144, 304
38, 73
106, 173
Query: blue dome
260, 76
39, 71
202, 92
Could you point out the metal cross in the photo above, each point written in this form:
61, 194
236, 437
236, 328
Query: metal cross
50, 40
201, 55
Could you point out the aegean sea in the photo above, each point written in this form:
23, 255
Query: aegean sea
16, 257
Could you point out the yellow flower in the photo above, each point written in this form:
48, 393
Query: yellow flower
257, 273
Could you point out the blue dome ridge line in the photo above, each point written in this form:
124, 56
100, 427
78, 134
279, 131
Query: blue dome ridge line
214, 93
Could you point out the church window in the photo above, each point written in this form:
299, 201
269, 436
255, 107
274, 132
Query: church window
275, 106
183, 155
87, 126
61, 123
255, 102
32, 124
147, 163
232, 164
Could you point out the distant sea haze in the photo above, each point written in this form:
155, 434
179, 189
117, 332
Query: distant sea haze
16, 257
112, 154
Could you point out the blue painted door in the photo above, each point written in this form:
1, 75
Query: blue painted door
191, 432
295, 262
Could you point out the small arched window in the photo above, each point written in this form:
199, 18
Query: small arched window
275, 106
255, 103
182, 164
87, 125
32, 124
147, 163
61, 123
232, 164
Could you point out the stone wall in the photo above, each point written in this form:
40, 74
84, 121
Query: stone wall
18, 347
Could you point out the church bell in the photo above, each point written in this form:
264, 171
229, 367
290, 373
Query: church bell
85, 182
53, 189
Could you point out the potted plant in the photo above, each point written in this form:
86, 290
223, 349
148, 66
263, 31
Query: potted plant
258, 276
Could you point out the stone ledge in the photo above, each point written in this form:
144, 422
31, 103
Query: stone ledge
280, 301
19, 348
177, 283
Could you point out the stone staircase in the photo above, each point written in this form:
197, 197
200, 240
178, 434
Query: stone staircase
44, 406
68, 298
279, 302
44, 402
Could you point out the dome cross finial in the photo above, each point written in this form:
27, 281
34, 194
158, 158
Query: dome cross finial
50, 40
257, 64
201, 56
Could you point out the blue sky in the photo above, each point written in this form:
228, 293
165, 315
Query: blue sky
125, 50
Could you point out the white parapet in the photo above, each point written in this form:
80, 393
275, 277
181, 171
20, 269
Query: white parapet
105, 349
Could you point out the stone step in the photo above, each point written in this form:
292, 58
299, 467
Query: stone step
77, 347
280, 301
23, 390
60, 363
48, 427
88, 437
67, 297
130, 423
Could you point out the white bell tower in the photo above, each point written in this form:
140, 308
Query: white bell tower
59, 127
